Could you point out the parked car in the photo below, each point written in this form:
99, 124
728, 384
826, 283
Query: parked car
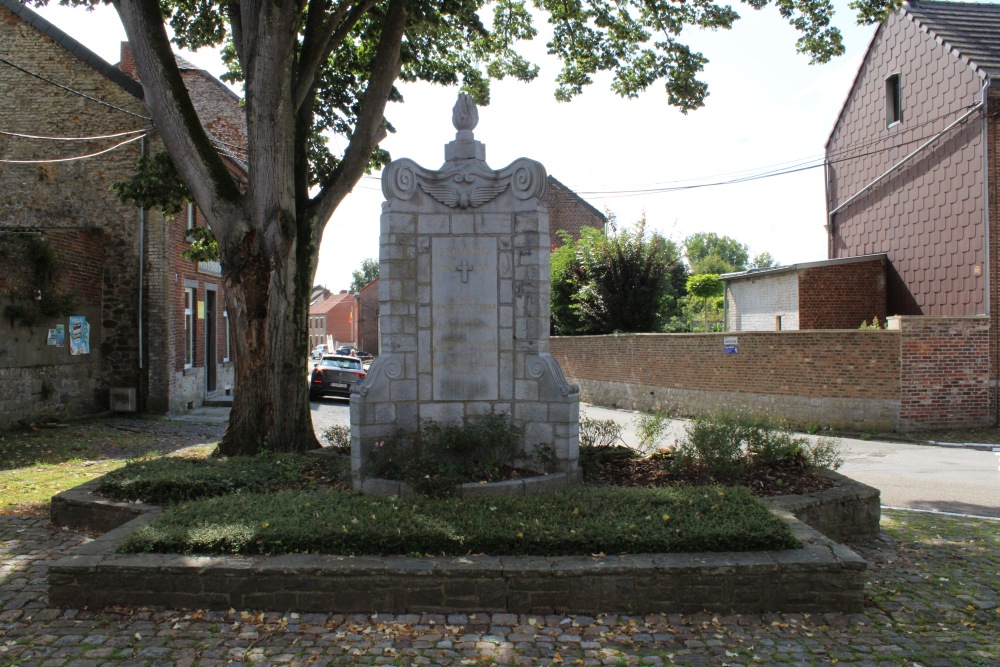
334, 375
344, 351
318, 352
363, 356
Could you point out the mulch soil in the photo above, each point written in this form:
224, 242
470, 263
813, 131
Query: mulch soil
762, 480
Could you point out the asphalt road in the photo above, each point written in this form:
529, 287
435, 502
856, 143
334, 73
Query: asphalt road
925, 477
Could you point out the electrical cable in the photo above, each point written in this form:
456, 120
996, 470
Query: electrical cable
77, 157
94, 138
71, 90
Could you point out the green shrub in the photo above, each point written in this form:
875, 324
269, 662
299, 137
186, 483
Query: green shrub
650, 428
440, 457
173, 479
599, 432
584, 521
339, 437
723, 448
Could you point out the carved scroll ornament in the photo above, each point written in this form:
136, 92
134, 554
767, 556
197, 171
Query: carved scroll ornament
464, 184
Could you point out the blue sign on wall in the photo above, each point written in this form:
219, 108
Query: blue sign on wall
730, 345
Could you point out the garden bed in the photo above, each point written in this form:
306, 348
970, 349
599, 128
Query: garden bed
820, 576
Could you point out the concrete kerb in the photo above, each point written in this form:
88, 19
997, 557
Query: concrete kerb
823, 576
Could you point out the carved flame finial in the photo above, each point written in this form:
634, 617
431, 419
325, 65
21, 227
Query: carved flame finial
465, 115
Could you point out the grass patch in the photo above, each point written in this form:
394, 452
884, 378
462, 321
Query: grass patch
583, 521
35, 465
172, 480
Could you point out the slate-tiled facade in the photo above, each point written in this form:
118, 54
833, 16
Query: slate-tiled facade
936, 216
928, 217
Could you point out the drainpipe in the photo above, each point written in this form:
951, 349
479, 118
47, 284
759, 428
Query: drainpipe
829, 216
142, 260
988, 177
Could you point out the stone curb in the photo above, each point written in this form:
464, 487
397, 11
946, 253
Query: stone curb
823, 576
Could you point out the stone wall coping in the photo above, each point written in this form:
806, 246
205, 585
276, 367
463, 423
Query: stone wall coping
509, 487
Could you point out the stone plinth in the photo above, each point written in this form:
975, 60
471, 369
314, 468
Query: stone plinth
464, 304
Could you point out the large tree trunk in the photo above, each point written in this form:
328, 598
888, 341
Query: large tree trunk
268, 304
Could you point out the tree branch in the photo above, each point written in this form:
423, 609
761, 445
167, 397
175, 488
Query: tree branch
190, 149
234, 12
370, 129
318, 46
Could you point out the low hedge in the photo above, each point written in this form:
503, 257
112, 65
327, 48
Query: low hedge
581, 521
172, 480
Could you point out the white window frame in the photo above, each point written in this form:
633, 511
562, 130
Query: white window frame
189, 327
893, 99
228, 350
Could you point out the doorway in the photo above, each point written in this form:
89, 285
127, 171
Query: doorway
211, 340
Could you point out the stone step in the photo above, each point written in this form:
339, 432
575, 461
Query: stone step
219, 401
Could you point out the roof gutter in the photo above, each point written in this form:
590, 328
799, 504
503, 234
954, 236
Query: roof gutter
909, 157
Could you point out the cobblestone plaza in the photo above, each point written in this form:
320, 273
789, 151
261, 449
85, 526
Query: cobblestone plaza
933, 599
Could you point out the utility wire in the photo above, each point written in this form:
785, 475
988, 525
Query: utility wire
71, 90
94, 138
76, 157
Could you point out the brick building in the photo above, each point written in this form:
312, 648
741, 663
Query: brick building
569, 212
831, 294
158, 333
334, 319
913, 160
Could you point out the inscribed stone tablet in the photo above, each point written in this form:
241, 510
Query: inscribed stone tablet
464, 310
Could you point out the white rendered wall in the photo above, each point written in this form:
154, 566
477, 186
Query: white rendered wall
754, 304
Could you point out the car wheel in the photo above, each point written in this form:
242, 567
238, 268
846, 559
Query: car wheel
314, 396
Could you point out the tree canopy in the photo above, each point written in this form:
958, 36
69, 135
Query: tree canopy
315, 68
707, 252
624, 282
367, 273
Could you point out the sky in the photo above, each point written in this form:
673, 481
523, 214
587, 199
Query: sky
767, 106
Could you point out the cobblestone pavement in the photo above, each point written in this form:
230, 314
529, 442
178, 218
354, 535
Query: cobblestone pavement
933, 600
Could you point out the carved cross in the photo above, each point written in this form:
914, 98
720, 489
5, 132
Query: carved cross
464, 267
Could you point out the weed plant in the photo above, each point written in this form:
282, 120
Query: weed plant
584, 521
601, 443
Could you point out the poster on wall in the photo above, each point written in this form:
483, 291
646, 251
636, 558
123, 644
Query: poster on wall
57, 336
79, 335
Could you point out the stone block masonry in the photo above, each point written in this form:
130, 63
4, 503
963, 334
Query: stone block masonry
464, 306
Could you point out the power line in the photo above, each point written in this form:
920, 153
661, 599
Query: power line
72, 90
76, 157
93, 138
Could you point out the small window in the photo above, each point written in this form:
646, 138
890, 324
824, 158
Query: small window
893, 100
188, 327
190, 216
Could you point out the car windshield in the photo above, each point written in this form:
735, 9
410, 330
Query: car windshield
350, 364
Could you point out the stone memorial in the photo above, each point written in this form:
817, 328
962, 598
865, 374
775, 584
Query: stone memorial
464, 307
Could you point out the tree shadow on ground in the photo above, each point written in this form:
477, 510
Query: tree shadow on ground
103, 439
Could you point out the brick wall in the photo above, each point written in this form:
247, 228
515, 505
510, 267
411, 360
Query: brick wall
842, 296
945, 373
928, 373
341, 321
71, 204
568, 211
993, 267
